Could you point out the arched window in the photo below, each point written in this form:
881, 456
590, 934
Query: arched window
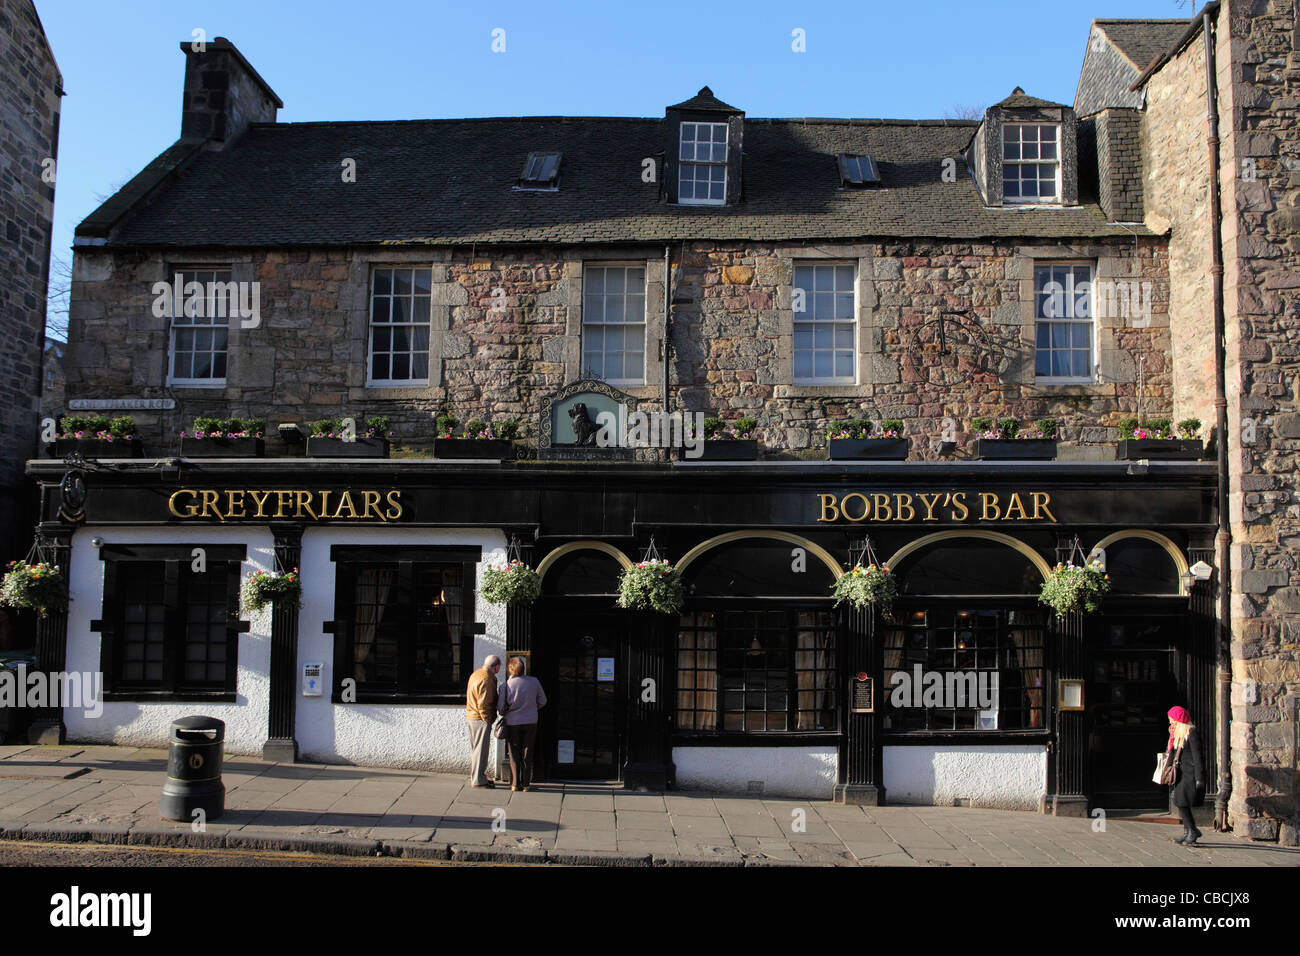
582, 572
1140, 566
758, 567
967, 566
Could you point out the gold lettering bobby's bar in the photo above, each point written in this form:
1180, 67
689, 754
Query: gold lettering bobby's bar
953, 506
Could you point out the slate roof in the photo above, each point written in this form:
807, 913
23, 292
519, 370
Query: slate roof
1019, 99
449, 181
1143, 40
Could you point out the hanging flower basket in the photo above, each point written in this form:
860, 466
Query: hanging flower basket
653, 585
35, 585
873, 585
510, 583
264, 587
1072, 587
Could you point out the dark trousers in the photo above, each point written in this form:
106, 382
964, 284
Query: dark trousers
1185, 815
522, 739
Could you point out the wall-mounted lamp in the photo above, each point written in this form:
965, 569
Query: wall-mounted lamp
290, 432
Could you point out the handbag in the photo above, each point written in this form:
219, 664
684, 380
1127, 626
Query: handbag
499, 728
1168, 769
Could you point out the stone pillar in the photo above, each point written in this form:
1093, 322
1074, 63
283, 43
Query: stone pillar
281, 744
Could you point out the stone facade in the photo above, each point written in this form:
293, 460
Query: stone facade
495, 354
1258, 65
30, 88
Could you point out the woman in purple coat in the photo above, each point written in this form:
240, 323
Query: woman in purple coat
521, 698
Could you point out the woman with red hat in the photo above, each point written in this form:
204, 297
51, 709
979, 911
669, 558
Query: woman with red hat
1189, 771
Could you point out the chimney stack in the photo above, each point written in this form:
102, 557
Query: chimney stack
223, 94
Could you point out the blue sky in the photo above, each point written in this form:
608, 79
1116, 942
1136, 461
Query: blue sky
416, 59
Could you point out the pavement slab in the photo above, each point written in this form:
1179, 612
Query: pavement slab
105, 794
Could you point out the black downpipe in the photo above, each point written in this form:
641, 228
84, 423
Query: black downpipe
1224, 536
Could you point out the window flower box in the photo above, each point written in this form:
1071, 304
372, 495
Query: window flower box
329, 438
1006, 440
739, 449
497, 448
728, 442
1157, 440
99, 447
1168, 449
478, 440
224, 447
869, 449
224, 438
325, 447
97, 436
1015, 449
854, 439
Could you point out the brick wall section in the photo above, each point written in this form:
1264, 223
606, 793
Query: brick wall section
30, 87
732, 338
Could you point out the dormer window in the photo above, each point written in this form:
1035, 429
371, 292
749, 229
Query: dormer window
702, 174
1031, 162
858, 170
541, 173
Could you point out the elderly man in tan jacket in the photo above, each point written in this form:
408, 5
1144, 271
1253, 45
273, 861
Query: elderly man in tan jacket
480, 711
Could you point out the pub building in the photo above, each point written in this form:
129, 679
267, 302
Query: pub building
843, 274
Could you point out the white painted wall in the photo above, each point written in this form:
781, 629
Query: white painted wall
136, 724
418, 736
1005, 777
426, 737
785, 771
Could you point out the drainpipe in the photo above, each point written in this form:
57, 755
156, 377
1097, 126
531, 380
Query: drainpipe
668, 300
1224, 537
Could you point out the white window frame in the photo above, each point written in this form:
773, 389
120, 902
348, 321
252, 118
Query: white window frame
186, 274
694, 161
587, 269
1069, 296
411, 324
1031, 200
809, 319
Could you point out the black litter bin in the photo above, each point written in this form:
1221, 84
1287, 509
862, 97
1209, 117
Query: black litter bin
194, 770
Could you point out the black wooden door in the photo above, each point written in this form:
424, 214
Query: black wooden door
589, 681
1133, 679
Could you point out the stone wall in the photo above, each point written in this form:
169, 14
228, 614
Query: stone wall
1258, 55
1259, 113
506, 331
30, 87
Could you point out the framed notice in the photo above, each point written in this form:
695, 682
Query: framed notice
604, 669
564, 751
526, 656
862, 694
